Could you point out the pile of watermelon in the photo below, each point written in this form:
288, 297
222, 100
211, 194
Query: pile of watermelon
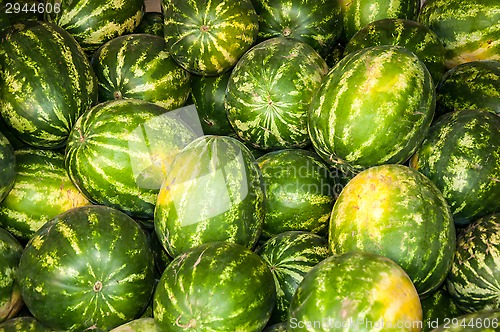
250, 165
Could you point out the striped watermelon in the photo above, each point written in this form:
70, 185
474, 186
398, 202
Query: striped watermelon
468, 29
146, 324
7, 166
437, 309
484, 321
215, 287
315, 22
10, 295
474, 279
139, 66
358, 13
396, 212
94, 22
355, 291
470, 85
414, 36
300, 191
49, 83
151, 23
119, 151
374, 107
269, 93
213, 192
208, 37
88, 268
461, 155
23, 324
290, 255
41, 191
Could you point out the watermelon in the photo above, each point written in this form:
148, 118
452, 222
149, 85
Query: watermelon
470, 85
484, 321
7, 166
437, 309
151, 23
213, 192
355, 291
208, 37
468, 29
139, 66
215, 287
119, 152
474, 278
358, 13
10, 295
317, 23
93, 22
290, 255
92, 264
48, 83
137, 325
300, 191
461, 155
23, 324
374, 107
270, 90
41, 191
395, 211
415, 36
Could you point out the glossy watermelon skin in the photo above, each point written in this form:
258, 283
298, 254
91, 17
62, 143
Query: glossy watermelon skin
354, 291
461, 155
317, 23
10, 295
49, 83
468, 29
374, 107
410, 34
396, 212
119, 152
269, 93
208, 37
290, 255
470, 85
41, 191
7, 166
484, 321
213, 192
92, 22
92, 264
300, 191
139, 66
239, 290
474, 278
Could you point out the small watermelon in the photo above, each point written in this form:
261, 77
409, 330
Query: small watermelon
10, 295
151, 23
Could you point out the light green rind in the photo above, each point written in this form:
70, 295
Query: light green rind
138, 325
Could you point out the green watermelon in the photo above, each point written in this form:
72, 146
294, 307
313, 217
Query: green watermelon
374, 107
88, 268
315, 22
470, 85
484, 321
146, 324
151, 23
358, 13
93, 22
270, 90
461, 155
474, 278
290, 255
10, 295
396, 212
213, 192
468, 29
139, 66
48, 83
23, 324
300, 191
215, 287
355, 291
208, 37
437, 309
119, 152
7, 166
41, 191
414, 36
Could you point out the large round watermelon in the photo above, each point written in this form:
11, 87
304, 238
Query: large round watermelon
7, 166
213, 192
10, 295
396, 212
215, 287
88, 268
